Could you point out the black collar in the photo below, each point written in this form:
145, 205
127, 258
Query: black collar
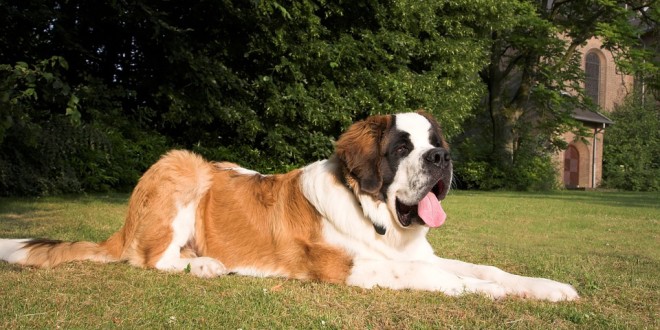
379, 229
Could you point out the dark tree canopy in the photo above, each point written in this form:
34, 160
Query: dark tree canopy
92, 92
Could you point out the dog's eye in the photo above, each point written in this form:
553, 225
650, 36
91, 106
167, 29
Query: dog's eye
402, 149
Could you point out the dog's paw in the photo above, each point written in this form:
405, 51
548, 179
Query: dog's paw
206, 267
545, 289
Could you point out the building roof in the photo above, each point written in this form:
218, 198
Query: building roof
591, 116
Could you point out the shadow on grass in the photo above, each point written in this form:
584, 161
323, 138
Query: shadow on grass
622, 199
22, 214
17, 215
33, 202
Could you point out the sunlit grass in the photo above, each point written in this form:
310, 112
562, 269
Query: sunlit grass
606, 244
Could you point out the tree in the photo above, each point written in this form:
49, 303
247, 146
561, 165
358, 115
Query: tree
632, 160
534, 65
93, 92
268, 84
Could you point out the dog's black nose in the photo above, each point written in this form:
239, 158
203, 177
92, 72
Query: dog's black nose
438, 157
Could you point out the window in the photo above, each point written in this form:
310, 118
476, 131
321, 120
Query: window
592, 77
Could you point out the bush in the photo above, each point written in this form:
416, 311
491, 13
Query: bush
88, 103
631, 154
531, 168
531, 174
47, 146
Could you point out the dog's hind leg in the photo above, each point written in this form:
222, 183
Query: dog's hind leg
162, 216
183, 228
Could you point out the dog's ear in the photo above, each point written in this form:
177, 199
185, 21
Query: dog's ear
360, 150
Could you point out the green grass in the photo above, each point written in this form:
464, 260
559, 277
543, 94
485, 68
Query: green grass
604, 243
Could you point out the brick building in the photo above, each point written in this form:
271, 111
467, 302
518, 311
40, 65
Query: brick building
580, 165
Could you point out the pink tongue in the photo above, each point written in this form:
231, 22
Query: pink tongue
430, 210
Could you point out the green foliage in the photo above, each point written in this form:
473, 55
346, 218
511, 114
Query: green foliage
532, 170
534, 63
92, 92
267, 84
28, 90
28, 130
631, 155
474, 174
48, 147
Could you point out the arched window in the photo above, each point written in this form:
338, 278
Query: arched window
592, 77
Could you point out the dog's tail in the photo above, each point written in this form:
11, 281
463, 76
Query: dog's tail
179, 175
50, 253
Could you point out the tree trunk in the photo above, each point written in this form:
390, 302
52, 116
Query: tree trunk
504, 111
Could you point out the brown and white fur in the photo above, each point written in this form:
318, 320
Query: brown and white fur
350, 219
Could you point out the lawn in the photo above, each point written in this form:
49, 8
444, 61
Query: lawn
604, 243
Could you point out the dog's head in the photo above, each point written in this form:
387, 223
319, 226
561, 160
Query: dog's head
401, 160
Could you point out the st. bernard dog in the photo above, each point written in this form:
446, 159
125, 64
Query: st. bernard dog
358, 218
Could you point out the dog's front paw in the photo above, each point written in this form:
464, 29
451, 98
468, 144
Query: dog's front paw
544, 289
